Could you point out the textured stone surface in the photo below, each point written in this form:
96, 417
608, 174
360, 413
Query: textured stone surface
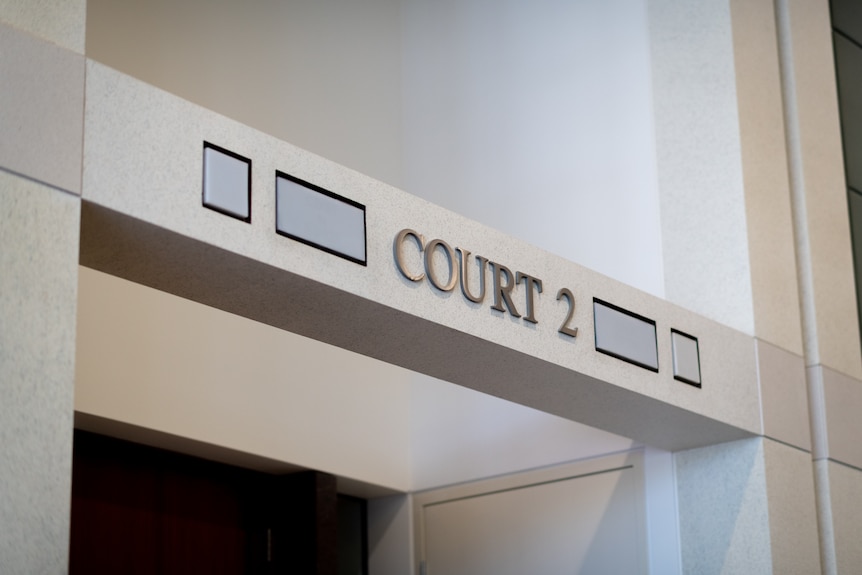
41, 109
747, 507
703, 225
723, 509
843, 403
827, 286
784, 395
143, 220
38, 288
765, 175
792, 512
59, 21
845, 491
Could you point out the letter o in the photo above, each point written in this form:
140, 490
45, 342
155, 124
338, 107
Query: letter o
430, 247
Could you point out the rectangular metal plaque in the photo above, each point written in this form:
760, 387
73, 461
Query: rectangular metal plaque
227, 182
320, 218
625, 335
686, 358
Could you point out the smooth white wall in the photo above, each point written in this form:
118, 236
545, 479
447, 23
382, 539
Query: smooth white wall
459, 435
576, 518
536, 119
323, 74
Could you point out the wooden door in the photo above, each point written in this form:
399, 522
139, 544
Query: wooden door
140, 510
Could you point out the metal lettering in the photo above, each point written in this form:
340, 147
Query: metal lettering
504, 280
564, 327
465, 257
530, 282
399, 241
429, 268
503, 291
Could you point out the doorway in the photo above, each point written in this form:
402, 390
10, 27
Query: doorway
141, 510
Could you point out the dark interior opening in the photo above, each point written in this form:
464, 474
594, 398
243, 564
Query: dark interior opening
142, 510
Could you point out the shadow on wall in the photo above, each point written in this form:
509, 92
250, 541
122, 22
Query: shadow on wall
621, 533
585, 517
724, 521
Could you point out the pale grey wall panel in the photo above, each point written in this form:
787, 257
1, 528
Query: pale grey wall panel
41, 109
792, 510
585, 524
766, 177
784, 395
843, 401
585, 517
38, 295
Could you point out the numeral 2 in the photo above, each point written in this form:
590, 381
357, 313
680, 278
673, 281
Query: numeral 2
564, 328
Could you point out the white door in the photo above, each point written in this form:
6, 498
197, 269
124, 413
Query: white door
584, 518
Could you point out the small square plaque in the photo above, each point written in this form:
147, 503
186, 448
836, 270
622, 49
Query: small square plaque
227, 182
686, 358
320, 218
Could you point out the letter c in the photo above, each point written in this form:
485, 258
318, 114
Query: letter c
399, 261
